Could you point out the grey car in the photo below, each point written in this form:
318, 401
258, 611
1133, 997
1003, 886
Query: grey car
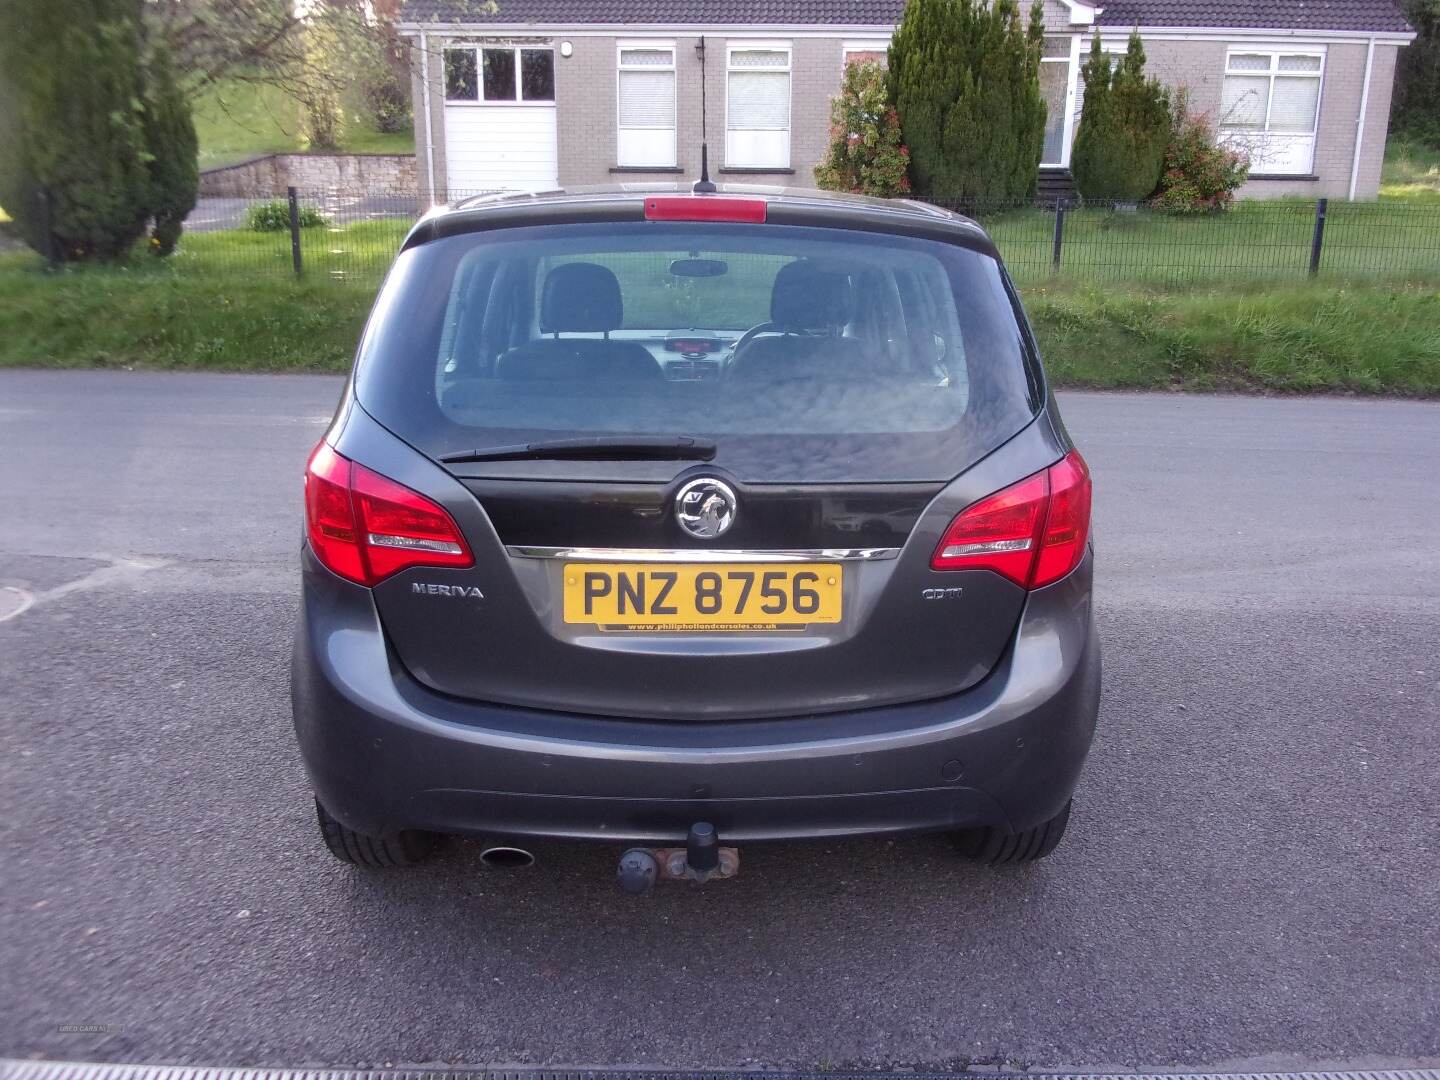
679, 521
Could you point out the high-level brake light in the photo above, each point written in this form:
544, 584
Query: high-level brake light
704, 208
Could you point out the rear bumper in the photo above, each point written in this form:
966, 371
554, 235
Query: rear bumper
385, 753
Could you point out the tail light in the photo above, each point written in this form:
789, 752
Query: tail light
1032, 532
365, 527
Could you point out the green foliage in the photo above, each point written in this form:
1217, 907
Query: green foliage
1415, 110
1200, 175
174, 149
147, 315
1372, 337
1411, 171
74, 126
1125, 127
387, 102
1381, 336
94, 141
323, 119
274, 216
866, 155
965, 79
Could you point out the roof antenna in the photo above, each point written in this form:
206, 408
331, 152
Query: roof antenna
703, 186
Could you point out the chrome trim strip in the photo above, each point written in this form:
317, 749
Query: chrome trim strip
412, 543
706, 555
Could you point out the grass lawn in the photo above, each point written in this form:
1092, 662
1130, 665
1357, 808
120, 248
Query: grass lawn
203, 311
1362, 336
237, 120
359, 252
162, 317
1267, 240
1411, 171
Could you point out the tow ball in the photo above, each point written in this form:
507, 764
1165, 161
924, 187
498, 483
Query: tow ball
702, 859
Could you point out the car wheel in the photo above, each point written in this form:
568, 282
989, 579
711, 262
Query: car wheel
376, 852
999, 846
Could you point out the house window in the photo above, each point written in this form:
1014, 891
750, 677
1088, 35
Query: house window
1269, 108
1057, 88
866, 52
461, 75
757, 106
500, 73
645, 131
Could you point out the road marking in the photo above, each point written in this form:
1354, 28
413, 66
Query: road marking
14, 600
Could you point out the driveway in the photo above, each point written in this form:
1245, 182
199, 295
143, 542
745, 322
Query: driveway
215, 213
1252, 876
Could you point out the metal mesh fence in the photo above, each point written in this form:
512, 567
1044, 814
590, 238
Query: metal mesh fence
352, 235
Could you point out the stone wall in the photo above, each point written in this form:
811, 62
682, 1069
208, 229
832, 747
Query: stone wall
272, 174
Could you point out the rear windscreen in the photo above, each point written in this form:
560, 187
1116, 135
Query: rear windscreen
807, 354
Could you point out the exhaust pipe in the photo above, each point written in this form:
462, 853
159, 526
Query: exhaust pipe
506, 858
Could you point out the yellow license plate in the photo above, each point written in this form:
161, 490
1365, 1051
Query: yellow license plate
702, 596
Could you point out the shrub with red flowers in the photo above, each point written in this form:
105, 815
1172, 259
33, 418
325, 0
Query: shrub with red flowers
866, 155
1200, 175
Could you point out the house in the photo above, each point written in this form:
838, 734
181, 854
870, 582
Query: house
574, 92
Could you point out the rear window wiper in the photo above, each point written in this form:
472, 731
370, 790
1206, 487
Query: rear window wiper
602, 447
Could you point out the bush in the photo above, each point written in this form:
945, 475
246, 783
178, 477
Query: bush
323, 117
274, 216
1200, 175
964, 76
388, 102
174, 151
866, 155
72, 113
1125, 127
1415, 111
105, 138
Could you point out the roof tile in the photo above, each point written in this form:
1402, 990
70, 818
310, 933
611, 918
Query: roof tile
1352, 15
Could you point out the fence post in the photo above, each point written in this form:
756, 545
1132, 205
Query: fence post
295, 231
1318, 240
1059, 235
47, 226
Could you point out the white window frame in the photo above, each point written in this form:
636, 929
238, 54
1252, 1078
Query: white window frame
445, 78
877, 45
1071, 104
1251, 138
645, 146
740, 160
516, 47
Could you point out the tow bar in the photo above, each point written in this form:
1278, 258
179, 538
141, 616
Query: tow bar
702, 859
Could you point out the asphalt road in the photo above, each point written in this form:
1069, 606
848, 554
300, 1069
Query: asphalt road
216, 213
1252, 876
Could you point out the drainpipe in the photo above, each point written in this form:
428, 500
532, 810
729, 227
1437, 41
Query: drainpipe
1360, 121
429, 130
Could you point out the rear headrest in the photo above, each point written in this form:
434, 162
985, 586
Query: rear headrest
805, 297
580, 296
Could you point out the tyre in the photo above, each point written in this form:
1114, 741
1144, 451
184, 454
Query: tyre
999, 846
375, 852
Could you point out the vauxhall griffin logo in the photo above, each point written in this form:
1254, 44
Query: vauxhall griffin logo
705, 508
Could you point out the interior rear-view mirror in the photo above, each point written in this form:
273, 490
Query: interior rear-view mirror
699, 267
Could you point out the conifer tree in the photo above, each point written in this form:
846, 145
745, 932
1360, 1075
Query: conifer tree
94, 142
1125, 126
965, 79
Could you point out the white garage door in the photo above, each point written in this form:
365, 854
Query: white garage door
499, 146
499, 117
